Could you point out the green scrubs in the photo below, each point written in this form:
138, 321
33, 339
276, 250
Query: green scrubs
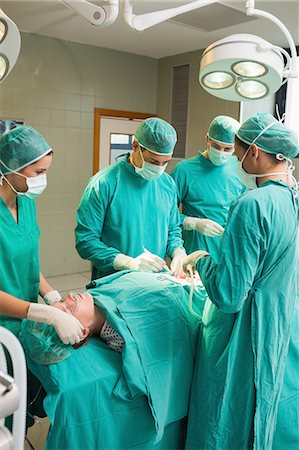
19, 255
206, 191
20, 276
246, 329
122, 212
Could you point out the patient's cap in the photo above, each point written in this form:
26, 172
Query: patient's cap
42, 344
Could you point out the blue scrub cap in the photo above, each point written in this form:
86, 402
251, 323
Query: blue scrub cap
223, 129
157, 136
42, 344
21, 147
269, 135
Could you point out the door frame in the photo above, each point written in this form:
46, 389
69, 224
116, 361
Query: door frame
99, 113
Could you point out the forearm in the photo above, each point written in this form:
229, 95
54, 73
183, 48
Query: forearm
44, 286
12, 306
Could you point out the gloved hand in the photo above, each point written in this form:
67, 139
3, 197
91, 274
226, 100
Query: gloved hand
206, 227
52, 297
68, 328
145, 262
176, 264
190, 261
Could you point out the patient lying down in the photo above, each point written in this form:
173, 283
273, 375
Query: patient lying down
42, 343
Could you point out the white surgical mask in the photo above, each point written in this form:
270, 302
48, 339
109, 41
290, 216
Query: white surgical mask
149, 171
36, 185
218, 157
249, 179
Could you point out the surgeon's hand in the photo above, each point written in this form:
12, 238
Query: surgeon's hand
68, 328
145, 262
189, 263
206, 227
176, 265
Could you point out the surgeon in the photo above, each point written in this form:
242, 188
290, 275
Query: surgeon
128, 218
25, 157
207, 184
249, 320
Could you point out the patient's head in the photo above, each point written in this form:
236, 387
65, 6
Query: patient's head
82, 307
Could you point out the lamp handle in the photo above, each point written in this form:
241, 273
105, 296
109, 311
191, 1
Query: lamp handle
251, 11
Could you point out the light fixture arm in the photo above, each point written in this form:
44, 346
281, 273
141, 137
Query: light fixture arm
142, 22
251, 11
95, 14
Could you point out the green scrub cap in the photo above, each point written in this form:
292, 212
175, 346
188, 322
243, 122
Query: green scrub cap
42, 344
269, 135
223, 129
21, 147
157, 136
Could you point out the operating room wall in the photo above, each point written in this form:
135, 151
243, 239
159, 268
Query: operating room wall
202, 107
55, 87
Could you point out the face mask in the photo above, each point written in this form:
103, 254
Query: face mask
149, 171
218, 158
36, 185
249, 179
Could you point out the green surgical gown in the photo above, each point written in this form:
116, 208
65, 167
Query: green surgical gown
206, 191
19, 255
247, 324
122, 212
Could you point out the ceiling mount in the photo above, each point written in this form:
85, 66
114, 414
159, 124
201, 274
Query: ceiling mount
96, 15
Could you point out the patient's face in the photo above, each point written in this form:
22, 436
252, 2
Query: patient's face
80, 306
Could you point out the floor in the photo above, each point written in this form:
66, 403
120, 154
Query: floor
64, 284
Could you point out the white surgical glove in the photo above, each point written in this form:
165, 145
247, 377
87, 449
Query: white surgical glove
52, 297
176, 266
68, 328
146, 262
190, 261
206, 227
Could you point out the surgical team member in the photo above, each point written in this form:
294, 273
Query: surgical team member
25, 157
207, 184
246, 331
128, 217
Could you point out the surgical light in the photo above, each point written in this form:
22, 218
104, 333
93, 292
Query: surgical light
256, 67
258, 73
10, 44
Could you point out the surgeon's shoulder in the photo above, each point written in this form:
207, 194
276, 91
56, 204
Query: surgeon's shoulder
106, 176
248, 204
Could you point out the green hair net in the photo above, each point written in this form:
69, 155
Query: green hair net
223, 129
42, 344
21, 147
157, 136
269, 135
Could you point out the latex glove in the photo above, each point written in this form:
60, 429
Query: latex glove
176, 266
52, 297
206, 227
68, 328
145, 262
190, 261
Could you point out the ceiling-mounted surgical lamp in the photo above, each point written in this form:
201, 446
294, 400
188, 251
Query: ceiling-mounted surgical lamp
96, 15
142, 22
10, 44
245, 67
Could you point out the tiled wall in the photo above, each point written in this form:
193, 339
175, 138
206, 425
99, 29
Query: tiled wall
55, 87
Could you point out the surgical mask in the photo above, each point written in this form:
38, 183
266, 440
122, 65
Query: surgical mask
149, 171
249, 179
36, 185
218, 157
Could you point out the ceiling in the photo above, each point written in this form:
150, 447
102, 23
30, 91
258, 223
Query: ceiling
187, 32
